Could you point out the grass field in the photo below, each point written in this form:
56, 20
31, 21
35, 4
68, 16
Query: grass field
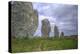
40, 44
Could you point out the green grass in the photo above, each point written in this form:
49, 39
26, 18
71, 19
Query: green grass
40, 44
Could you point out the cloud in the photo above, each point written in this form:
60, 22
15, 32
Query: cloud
64, 16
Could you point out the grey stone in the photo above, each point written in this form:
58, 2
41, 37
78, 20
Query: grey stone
45, 29
62, 34
24, 19
56, 31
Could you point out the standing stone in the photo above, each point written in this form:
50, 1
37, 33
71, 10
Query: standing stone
45, 29
56, 32
24, 19
62, 34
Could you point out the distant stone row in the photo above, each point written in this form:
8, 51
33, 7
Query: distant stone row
46, 29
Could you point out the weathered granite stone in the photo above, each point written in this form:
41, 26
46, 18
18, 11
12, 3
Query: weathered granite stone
45, 29
56, 32
24, 19
62, 34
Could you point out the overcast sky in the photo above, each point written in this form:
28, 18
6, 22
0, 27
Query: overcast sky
62, 15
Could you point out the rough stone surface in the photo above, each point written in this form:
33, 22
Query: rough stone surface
24, 19
45, 29
56, 31
62, 34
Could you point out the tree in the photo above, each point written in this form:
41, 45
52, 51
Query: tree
56, 31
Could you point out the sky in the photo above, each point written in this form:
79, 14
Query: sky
64, 16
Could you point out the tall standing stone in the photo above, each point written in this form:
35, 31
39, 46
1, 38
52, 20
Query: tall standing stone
24, 19
62, 34
45, 29
56, 31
